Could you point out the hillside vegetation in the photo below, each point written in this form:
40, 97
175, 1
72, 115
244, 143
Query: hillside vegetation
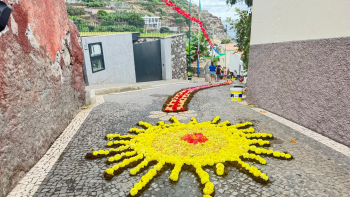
130, 13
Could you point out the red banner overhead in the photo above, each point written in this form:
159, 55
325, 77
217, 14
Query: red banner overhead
189, 17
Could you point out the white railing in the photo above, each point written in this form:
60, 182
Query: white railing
73, 1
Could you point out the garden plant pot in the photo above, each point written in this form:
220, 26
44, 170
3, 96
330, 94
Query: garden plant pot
190, 78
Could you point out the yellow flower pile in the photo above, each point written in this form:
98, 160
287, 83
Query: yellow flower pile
136, 130
220, 168
124, 163
144, 124
208, 189
106, 152
111, 136
216, 120
163, 143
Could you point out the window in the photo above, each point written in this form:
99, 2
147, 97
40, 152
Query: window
96, 57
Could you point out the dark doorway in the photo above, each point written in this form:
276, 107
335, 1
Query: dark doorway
148, 64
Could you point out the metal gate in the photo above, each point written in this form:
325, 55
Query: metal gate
148, 64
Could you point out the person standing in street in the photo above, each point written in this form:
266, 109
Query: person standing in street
218, 73
212, 69
236, 74
225, 73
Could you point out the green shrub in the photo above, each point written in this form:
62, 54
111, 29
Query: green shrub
132, 18
101, 13
179, 20
164, 30
95, 4
77, 19
150, 8
72, 11
225, 41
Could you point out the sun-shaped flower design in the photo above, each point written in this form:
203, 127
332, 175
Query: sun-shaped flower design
190, 146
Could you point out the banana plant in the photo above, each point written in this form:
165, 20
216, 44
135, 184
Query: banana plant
193, 53
203, 46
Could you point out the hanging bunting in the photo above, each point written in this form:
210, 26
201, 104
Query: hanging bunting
191, 18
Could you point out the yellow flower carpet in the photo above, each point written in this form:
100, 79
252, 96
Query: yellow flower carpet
195, 145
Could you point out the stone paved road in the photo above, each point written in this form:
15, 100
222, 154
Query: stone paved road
316, 170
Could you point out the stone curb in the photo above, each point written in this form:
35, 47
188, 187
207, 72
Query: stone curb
312, 134
90, 96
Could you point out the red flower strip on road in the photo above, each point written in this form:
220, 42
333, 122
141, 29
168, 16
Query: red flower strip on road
179, 101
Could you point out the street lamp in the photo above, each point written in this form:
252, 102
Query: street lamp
5, 12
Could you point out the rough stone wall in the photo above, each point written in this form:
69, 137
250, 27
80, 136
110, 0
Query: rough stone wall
307, 82
41, 84
178, 59
178, 54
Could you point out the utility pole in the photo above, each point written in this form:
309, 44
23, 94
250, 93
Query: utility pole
212, 52
225, 46
189, 43
199, 35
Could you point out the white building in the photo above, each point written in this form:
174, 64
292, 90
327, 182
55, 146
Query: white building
152, 22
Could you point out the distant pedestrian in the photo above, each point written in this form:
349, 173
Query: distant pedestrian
218, 73
236, 74
225, 73
212, 69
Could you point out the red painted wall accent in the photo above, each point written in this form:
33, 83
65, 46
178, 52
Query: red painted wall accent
48, 21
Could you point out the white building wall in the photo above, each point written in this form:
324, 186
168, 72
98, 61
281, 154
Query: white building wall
118, 59
292, 20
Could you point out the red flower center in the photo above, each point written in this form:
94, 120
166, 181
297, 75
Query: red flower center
194, 138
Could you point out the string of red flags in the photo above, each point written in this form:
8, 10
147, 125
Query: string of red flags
189, 17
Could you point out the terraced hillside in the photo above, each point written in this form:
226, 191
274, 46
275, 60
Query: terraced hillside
90, 12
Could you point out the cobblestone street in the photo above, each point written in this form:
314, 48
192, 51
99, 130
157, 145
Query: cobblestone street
316, 170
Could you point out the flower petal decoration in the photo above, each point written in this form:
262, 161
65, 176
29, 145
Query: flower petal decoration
180, 146
180, 100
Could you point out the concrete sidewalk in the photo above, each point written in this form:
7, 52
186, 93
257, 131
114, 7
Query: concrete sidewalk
92, 91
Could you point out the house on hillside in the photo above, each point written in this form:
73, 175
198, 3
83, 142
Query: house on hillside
152, 22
